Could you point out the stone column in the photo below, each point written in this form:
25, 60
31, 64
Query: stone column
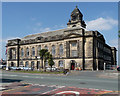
83, 50
78, 47
24, 51
30, 51
57, 50
36, 50
67, 45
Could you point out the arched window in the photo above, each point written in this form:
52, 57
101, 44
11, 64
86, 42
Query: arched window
60, 63
21, 64
32, 65
12, 64
33, 51
46, 47
39, 48
38, 64
22, 52
53, 50
26, 64
61, 49
46, 63
27, 52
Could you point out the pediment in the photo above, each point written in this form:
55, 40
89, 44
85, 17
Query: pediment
71, 35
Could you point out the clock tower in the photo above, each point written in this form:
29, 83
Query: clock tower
76, 19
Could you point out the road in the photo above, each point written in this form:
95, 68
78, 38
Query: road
80, 81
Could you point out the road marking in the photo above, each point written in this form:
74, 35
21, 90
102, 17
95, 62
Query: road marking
41, 77
50, 91
37, 77
25, 76
75, 92
12, 75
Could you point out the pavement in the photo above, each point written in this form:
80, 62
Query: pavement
83, 83
22, 88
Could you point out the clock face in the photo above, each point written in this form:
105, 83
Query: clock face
73, 18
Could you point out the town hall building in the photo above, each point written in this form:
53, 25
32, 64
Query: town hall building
71, 47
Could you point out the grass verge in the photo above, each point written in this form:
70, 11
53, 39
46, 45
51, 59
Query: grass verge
41, 72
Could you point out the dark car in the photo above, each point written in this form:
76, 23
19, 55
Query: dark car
118, 68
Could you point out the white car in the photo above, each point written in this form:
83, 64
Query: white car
53, 68
13, 68
24, 68
27, 68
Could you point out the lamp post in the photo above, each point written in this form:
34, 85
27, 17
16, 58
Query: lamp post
104, 65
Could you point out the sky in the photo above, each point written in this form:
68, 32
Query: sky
24, 18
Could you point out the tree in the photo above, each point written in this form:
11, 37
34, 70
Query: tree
50, 61
46, 57
42, 55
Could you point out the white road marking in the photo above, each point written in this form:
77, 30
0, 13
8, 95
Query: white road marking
75, 92
41, 77
50, 91
12, 75
25, 76
37, 77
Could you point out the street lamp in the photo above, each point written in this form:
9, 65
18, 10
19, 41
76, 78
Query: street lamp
104, 65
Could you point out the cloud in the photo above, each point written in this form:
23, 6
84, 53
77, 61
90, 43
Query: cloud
42, 29
33, 19
45, 29
38, 27
38, 24
101, 24
114, 43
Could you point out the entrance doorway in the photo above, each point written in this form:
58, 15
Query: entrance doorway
12, 64
38, 64
72, 65
100, 65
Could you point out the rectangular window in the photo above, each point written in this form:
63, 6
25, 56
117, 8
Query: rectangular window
13, 54
74, 44
74, 53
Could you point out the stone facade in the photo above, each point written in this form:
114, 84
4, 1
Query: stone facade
71, 47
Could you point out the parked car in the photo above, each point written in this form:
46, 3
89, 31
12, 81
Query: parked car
23, 68
27, 68
118, 68
2, 66
13, 68
53, 68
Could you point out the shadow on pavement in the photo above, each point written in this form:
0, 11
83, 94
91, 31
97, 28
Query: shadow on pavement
9, 80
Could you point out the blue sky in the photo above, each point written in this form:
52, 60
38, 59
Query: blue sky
21, 19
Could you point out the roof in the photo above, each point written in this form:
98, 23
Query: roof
76, 11
50, 33
44, 34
